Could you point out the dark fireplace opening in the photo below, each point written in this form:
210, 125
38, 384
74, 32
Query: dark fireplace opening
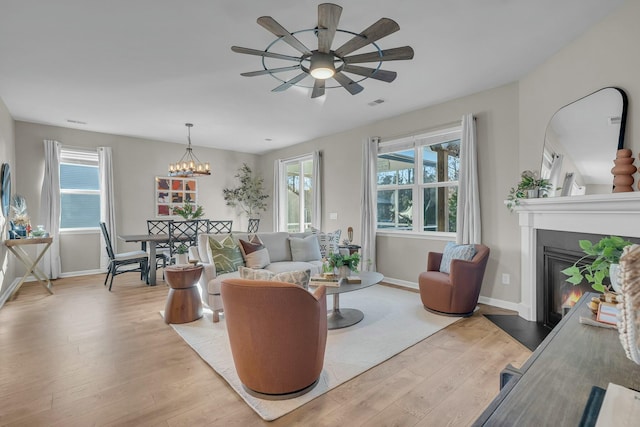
557, 250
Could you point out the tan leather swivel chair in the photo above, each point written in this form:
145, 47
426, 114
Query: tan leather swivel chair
278, 335
454, 294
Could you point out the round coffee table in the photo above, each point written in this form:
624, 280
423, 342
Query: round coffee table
184, 303
342, 317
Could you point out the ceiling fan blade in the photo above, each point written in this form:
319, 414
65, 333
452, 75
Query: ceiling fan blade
238, 49
395, 54
272, 25
328, 18
286, 85
384, 75
352, 87
270, 71
383, 27
318, 88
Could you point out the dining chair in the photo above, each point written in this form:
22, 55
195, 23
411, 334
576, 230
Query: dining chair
118, 260
163, 252
182, 233
254, 223
220, 227
203, 226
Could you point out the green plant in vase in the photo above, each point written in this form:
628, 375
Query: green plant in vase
189, 211
530, 186
337, 260
603, 254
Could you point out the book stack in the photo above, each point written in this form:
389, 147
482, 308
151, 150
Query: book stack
331, 281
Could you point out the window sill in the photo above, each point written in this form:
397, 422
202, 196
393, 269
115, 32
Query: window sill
80, 231
426, 235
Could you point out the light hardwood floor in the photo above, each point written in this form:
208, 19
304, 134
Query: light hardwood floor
86, 356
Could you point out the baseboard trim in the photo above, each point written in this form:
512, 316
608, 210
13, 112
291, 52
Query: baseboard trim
82, 273
401, 283
7, 292
507, 305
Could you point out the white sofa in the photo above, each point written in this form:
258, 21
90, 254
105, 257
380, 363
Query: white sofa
277, 244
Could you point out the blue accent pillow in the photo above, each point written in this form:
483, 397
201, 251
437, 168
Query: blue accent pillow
453, 251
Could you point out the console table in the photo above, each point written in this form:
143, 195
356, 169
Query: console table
16, 246
553, 386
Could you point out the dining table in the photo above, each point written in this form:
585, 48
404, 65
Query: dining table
152, 240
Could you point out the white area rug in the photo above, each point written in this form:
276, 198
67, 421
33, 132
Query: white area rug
393, 321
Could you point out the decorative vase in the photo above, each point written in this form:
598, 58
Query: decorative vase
344, 272
182, 259
623, 171
613, 276
533, 193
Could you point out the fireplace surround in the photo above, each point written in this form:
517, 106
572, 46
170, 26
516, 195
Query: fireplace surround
598, 214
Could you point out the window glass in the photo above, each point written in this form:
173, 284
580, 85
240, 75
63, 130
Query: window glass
298, 191
430, 204
79, 189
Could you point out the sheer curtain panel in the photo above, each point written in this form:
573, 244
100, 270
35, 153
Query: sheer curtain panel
50, 207
368, 203
107, 208
468, 211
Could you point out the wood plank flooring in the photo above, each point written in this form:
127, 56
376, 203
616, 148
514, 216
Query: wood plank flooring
86, 356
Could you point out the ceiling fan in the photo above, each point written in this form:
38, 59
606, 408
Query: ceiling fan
324, 63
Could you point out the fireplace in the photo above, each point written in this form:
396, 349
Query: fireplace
556, 251
568, 218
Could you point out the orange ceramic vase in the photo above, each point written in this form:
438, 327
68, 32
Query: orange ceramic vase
623, 171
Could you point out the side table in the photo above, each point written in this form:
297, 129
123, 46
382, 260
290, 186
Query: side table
183, 303
16, 246
352, 248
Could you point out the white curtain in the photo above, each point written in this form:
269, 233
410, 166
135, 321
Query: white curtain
50, 207
316, 185
107, 209
278, 212
368, 203
469, 225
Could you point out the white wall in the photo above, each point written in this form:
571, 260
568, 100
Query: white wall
404, 258
7, 155
136, 163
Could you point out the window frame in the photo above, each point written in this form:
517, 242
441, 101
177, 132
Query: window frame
81, 157
283, 189
416, 143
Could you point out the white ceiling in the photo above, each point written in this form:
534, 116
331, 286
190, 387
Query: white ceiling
143, 68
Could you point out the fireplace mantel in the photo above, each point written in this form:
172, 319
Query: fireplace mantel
609, 214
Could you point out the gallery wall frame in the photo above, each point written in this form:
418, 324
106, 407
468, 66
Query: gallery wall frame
171, 192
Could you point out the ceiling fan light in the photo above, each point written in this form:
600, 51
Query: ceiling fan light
322, 66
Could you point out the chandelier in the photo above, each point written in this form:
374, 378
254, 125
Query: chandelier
189, 164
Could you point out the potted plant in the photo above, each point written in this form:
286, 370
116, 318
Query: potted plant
604, 254
344, 263
189, 211
250, 196
181, 254
531, 186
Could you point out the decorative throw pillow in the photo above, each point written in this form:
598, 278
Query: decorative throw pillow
225, 255
329, 242
254, 274
254, 252
306, 249
453, 251
300, 278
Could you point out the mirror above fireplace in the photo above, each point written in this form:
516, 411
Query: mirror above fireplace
581, 142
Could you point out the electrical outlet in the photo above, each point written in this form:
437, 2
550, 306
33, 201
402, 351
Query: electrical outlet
333, 215
506, 278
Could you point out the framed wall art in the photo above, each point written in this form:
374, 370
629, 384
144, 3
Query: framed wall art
171, 192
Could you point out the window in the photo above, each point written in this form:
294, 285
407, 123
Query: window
417, 182
79, 189
297, 192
